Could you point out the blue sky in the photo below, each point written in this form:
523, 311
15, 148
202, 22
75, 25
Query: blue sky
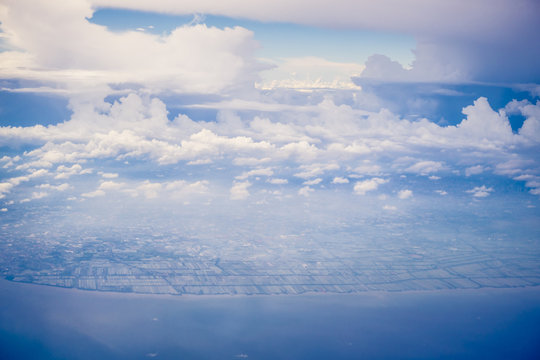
205, 107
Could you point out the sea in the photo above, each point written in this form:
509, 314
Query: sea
43, 322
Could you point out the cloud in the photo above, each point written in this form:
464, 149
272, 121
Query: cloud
305, 191
362, 187
474, 170
93, 194
312, 182
239, 190
255, 172
340, 180
64, 172
418, 17
425, 167
108, 175
278, 181
5, 188
61, 187
56, 44
480, 191
309, 171
405, 194
334, 140
36, 196
310, 73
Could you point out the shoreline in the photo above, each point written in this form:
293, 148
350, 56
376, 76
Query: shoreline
310, 294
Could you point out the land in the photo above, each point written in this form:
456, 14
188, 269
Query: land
341, 260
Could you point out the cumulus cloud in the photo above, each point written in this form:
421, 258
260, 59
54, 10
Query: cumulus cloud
480, 191
64, 172
334, 141
362, 187
278, 181
474, 170
36, 196
312, 170
55, 43
255, 172
313, 181
108, 175
405, 194
61, 187
239, 190
310, 73
305, 191
340, 180
425, 167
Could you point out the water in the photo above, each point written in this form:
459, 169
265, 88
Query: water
40, 322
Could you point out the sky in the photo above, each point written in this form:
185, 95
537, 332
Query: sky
314, 111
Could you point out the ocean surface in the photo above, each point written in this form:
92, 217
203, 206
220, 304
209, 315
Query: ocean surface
41, 322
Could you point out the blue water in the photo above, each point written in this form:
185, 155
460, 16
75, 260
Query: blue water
39, 322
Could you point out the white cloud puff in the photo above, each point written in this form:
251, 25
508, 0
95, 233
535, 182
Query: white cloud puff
362, 187
425, 167
405, 194
305, 191
340, 180
480, 191
239, 190
474, 170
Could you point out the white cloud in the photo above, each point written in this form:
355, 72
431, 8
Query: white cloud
64, 172
480, 191
137, 127
425, 167
441, 192
531, 127
418, 17
5, 188
361, 187
474, 170
389, 208
340, 180
405, 194
368, 168
310, 73
486, 125
35, 196
149, 189
111, 185
256, 172
239, 190
278, 181
61, 187
93, 194
309, 171
313, 181
57, 45
305, 191
108, 175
